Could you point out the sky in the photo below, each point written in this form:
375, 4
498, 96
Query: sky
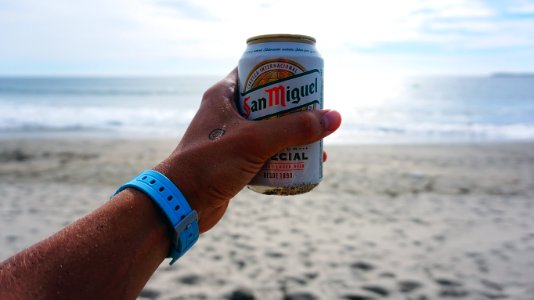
207, 37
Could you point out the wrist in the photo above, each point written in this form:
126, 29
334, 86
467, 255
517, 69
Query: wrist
176, 209
147, 215
184, 178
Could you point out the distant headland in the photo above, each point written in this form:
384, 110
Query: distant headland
513, 74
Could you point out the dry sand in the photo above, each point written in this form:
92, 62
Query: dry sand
396, 222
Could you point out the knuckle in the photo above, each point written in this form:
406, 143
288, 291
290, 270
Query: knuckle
210, 93
219, 91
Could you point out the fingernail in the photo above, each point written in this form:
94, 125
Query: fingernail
331, 120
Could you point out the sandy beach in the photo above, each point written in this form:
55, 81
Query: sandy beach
388, 221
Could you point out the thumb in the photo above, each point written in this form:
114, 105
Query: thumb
297, 129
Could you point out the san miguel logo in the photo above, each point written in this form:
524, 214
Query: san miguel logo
276, 87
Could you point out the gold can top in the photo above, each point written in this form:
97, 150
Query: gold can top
295, 38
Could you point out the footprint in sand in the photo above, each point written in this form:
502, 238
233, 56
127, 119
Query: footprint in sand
376, 289
149, 294
362, 266
357, 297
408, 286
492, 285
241, 294
447, 282
300, 296
311, 275
190, 279
274, 254
451, 288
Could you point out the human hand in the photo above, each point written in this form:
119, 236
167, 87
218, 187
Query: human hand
221, 151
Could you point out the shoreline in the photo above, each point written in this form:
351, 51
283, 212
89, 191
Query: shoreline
333, 141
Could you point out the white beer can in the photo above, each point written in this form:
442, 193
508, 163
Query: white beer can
281, 74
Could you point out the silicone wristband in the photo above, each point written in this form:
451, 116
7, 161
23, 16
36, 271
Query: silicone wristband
172, 202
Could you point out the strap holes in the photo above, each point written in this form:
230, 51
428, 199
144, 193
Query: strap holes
152, 181
182, 217
161, 189
144, 177
169, 198
177, 207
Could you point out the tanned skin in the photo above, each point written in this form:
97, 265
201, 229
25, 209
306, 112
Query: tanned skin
112, 252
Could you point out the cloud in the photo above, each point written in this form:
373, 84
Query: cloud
189, 9
521, 7
463, 26
162, 35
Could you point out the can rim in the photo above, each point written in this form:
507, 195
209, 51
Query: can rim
281, 37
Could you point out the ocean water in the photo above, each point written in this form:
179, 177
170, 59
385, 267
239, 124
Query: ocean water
437, 109
375, 110
99, 107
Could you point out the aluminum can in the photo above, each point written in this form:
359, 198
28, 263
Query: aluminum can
281, 74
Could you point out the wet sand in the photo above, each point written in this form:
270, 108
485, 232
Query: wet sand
388, 221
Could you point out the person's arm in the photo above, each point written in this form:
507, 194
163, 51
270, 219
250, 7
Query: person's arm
112, 252
109, 254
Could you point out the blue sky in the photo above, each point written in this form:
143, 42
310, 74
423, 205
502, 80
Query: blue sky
167, 37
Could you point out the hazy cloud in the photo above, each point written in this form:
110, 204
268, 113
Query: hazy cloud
208, 35
522, 7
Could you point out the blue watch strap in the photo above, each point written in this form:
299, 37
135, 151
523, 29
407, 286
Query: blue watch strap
170, 199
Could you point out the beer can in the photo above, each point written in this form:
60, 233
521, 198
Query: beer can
281, 74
